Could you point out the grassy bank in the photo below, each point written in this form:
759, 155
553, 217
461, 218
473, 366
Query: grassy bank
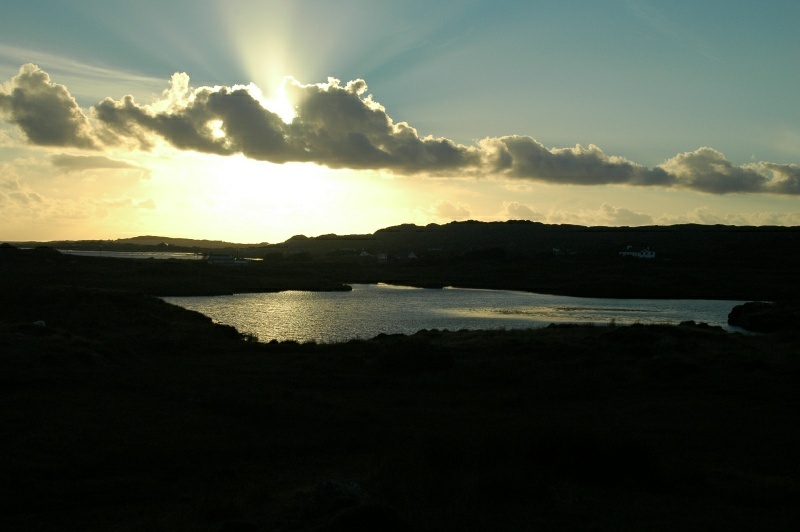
125, 413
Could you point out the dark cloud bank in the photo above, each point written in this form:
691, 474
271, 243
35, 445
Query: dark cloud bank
340, 126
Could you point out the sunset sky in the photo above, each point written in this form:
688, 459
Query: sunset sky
252, 121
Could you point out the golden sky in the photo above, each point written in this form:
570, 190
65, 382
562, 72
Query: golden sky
255, 121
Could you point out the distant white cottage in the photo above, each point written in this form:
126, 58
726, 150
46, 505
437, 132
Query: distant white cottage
646, 253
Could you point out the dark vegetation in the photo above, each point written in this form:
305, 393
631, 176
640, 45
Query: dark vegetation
46, 266
707, 262
766, 317
693, 262
121, 412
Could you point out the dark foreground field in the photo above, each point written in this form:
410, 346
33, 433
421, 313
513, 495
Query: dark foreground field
125, 413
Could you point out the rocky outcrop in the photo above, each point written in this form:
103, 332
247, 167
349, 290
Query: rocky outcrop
766, 317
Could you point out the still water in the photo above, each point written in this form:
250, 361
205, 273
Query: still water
135, 254
373, 309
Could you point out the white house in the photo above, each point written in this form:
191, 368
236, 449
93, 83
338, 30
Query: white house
226, 260
646, 253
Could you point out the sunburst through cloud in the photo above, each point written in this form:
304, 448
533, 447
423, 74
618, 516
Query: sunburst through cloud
344, 98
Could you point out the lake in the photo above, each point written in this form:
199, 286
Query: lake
369, 310
134, 254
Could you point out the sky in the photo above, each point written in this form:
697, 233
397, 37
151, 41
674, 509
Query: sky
253, 121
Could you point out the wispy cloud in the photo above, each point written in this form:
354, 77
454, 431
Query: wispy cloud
76, 163
13, 56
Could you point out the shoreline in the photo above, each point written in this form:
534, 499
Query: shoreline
409, 310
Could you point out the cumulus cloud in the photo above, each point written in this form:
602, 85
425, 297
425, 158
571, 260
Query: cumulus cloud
525, 157
707, 170
620, 216
605, 215
12, 193
44, 111
519, 211
450, 211
342, 126
334, 125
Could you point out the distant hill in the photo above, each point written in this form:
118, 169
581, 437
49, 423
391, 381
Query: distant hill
150, 240
690, 261
531, 239
143, 243
515, 238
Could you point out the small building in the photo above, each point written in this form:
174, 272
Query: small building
226, 260
558, 252
645, 253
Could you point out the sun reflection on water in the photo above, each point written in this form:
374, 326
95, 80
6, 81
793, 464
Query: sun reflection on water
373, 309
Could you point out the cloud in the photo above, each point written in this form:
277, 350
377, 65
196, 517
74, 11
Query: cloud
15, 195
606, 215
24, 209
25, 198
525, 157
145, 204
707, 170
9, 184
703, 215
337, 126
6, 140
75, 163
450, 211
342, 126
44, 111
87, 82
123, 203
519, 211
222, 121
619, 216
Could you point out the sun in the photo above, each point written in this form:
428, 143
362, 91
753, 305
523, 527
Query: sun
258, 184
255, 201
